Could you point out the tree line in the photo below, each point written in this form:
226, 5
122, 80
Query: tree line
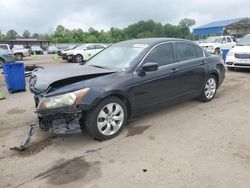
141, 29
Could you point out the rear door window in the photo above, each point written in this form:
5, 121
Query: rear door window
199, 52
162, 54
99, 46
91, 47
229, 39
185, 51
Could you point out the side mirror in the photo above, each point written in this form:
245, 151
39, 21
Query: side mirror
150, 66
223, 42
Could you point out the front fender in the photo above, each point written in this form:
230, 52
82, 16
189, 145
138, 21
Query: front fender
95, 95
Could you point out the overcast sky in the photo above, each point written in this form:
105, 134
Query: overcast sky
44, 15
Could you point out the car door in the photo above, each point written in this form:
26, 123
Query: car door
98, 48
89, 52
224, 43
157, 86
230, 42
192, 67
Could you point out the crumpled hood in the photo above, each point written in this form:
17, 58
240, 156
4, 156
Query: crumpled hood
42, 79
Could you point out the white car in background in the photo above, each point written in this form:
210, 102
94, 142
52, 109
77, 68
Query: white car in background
239, 56
18, 51
215, 44
84, 52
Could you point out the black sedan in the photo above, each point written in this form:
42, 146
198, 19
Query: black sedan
124, 80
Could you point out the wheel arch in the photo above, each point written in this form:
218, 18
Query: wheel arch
92, 102
216, 75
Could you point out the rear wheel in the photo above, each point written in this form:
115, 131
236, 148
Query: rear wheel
209, 89
107, 119
19, 56
1, 62
78, 58
230, 68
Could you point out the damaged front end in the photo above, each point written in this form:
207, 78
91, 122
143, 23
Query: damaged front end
60, 121
59, 96
60, 114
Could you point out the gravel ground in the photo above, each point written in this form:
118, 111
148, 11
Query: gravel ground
191, 144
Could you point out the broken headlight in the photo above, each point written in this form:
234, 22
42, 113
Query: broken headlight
67, 99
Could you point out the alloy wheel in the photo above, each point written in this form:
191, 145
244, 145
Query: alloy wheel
110, 119
210, 88
1, 63
78, 58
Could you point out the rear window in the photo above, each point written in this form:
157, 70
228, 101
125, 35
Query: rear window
4, 47
185, 51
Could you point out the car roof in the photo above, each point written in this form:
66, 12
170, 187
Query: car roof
152, 41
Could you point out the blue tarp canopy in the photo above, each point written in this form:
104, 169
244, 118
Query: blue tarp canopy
215, 27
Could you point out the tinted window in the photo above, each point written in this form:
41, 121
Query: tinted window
233, 38
185, 51
99, 47
229, 39
199, 52
223, 40
92, 47
162, 54
4, 47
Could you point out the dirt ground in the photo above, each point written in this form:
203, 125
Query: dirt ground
191, 144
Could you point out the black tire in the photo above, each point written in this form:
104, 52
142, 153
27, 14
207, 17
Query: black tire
217, 51
203, 96
1, 62
230, 68
78, 58
19, 56
90, 119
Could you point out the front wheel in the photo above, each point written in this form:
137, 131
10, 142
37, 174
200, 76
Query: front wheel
209, 89
1, 63
19, 57
107, 119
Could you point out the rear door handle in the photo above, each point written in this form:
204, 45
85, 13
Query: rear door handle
203, 62
174, 69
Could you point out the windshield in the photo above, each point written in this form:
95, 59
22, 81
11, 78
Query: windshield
116, 57
245, 41
213, 40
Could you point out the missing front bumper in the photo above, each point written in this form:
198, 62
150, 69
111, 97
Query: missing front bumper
60, 121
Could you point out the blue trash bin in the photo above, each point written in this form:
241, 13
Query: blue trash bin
224, 54
14, 76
